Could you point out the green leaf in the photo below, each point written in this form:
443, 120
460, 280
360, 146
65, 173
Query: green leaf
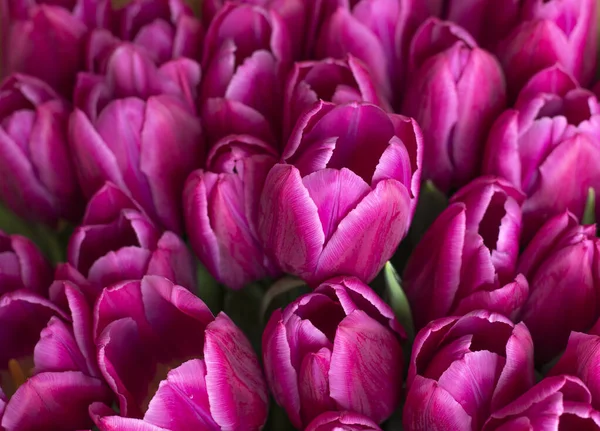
431, 203
398, 300
243, 307
278, 420
209, 290
281, 293
589, 214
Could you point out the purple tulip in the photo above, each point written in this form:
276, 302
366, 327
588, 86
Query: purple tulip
22, 266
552, 132
116, 241
330, 80
220, 208
246, 59
311, 229
169, 359
561, 264
37, 33
464, 368
135, 127
50, 375
347, 421
452, 79
467, 258
580, 359
337, 348
39, 181
550, 32
554, 404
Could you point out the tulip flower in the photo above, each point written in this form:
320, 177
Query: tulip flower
561, 264
551, 132
550, 32
337, 348
555, 403
464, 368
246, 59
37, 33
22, 266
221, 206
330, 80
311, 229
116, 241
467, 258
348, 421
135, 127
451, 79
170, 360
48, 363
39, 181
580, 359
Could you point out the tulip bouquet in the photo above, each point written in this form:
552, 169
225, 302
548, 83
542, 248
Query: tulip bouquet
320, 215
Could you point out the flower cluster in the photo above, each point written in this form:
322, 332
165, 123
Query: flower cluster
203, 206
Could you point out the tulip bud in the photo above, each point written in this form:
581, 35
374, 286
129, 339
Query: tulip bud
550, 32
337, 348
552, 132
561, 264
330, 80
221, 205
467, 258
39, 181
152, 331
347, 421
555, 403
136, 128
452, 78
246, 60
22, 266
464, 368
311, 229
116, 241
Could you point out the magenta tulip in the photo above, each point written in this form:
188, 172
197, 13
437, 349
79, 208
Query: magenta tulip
561, 263
170, 360
246, 60
337, 348
550, 32
554, 404
464, 368
22, 266
116, 241
221, 206
467, 258
450, 79
311, 229
39, 181
347, 421
135, 127
552, 132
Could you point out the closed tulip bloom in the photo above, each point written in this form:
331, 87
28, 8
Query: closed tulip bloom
451, 79
117, 241
172, 364
554, 404
552, 132
311, 229
347, 421
48, 364
22, 266
330, 80
246, 60
464, 368
550, 32
39, 181
561, 264
467, 258
337, 348
135, 127
220, 208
